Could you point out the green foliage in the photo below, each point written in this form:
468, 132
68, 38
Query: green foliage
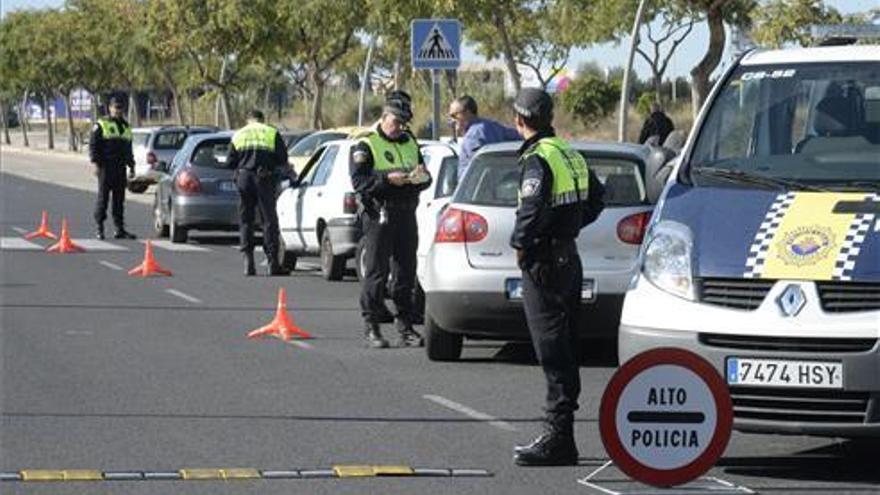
643, 104
782, 21
590, 98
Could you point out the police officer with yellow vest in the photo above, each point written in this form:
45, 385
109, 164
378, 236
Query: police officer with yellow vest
259, 158
388, 173
554, 206
110, 153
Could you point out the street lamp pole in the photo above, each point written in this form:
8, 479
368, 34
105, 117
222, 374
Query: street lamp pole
624, 90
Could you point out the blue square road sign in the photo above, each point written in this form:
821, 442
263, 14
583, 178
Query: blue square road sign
435, 43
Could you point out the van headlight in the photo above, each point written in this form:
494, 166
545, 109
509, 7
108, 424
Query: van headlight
667, 259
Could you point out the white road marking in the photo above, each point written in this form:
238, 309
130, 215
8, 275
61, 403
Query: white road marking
184, 296
181, 248
467, 411
18, 244
98, 245
112, 266
19, 230
301, 344
79, 332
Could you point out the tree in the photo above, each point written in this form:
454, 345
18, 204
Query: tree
782, 21
673, 28
590, 98
390, 21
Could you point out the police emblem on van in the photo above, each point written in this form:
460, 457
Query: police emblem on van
806, 245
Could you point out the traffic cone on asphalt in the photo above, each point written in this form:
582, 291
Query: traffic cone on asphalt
282, 325
65, 245
149, 266
43, 229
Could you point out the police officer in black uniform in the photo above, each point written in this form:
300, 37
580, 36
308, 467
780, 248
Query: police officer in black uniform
388, 173
554, 206
259, 157
110, 154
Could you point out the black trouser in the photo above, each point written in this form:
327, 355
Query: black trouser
389, 247
551, 298
111, 181
257, 191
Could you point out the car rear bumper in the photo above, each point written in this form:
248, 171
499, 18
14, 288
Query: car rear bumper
345, 233
206, 212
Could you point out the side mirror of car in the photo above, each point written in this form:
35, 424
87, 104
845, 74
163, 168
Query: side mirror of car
162, 166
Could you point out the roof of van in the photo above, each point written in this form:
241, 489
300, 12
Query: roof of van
848, 53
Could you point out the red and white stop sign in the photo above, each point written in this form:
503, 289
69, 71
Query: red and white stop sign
666, 417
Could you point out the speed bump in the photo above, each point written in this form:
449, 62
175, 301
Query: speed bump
61, 475
357, 471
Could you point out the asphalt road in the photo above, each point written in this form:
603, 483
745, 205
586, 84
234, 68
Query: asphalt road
106, 372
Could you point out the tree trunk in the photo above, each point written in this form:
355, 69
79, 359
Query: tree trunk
452, 82
658, 86
398, 66
23, 119
134, 114
49, 128
5, 123
224, 108
317, 100
71, 137
700, 74
178, 108
507, 51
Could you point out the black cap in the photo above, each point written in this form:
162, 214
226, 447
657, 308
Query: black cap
399, 94
398, 107
533, 103
116, 101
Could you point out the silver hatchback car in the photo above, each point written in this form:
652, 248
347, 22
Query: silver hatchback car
471, 280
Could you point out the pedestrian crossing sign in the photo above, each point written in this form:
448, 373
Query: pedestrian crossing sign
436, 43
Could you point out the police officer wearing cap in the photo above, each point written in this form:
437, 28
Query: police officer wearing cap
259, 158
553, 207
388, 173
110, 154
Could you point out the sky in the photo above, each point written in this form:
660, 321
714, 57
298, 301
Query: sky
605, 55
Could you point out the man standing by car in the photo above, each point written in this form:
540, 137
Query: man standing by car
388, 173
110, 153
554, 191
258, 155
657, 124
476, 132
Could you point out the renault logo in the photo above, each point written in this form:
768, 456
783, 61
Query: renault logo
792, 300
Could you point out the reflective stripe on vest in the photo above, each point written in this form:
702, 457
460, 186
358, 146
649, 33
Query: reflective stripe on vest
389, 156
110, 130
569, 168
255, 136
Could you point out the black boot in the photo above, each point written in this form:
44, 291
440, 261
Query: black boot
407, 337
249, 268
99, 232
121, 233
555, 447
274, 268
374, 336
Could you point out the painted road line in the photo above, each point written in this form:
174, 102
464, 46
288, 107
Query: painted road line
19, 230
112, 266
184, 296
180, 248
219, 474
98, 245
18, 244
301, 344
467, 411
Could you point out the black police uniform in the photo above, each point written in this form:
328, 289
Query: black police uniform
390, 235
112, 154
257, 171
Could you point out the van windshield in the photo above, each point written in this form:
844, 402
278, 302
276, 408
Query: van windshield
810, 125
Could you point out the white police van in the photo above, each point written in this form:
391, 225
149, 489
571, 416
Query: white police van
763, 254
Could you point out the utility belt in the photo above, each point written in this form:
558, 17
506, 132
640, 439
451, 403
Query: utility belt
557, 251
260, 171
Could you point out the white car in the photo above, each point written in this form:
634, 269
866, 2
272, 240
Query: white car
470, 276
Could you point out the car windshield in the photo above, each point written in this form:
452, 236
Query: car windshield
493, 180
794, 127
211, 153
307, 145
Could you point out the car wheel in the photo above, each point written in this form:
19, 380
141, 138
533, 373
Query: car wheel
178, 233
440, 344
331, 266
160, 229
287, 258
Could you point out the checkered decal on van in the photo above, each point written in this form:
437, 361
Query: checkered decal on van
766, 233
852, 243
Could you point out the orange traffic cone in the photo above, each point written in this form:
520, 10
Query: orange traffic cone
65, 245
282, 325
149, 265
43, 229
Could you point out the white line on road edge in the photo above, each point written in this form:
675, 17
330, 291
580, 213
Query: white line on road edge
112, 266
301, 344
184, 296
467, 411
20, 230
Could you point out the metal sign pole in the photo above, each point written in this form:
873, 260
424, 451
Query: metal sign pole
435, 83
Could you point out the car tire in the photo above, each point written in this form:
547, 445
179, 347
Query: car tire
178, 233
287, 258
441, 345
160, 228
332, 267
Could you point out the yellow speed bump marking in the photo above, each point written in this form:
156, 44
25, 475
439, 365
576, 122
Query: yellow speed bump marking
240, 474
61, 475
356, 471
219, 474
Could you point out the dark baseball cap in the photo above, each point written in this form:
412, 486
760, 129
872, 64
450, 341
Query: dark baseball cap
399, 108
532, 103
399, 94
116, 101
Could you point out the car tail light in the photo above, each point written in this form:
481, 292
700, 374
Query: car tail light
461, 226
349, 203
631, 229
188, 183
151, 158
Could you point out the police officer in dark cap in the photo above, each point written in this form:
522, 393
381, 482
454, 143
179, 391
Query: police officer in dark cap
110, 154
388, 173
553, 207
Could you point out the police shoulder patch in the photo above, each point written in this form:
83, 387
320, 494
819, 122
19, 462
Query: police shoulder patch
359, 157
530, 187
